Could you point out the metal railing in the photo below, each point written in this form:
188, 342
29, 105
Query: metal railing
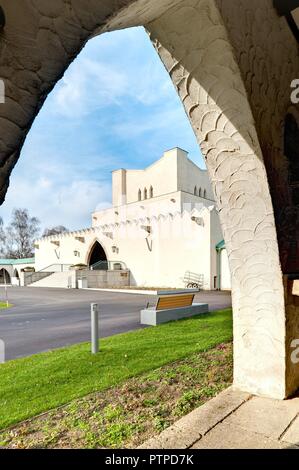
108, 266
56, 268
32, 277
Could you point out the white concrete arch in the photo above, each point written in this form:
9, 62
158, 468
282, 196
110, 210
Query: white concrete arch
225, 81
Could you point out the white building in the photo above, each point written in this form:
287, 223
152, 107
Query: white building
12, 270
163, 224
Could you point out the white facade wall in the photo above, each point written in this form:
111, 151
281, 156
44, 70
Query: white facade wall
161, 176
73, 248
191, 179
171, 173
176, 244
167, 204
184, 227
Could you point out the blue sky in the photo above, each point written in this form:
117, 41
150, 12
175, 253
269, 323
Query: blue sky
115, 108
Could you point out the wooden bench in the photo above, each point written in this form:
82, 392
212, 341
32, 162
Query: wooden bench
172, 305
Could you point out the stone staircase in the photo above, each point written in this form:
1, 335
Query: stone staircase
62, 280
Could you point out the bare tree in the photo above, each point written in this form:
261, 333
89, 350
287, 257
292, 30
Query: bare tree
55, 231
20, 234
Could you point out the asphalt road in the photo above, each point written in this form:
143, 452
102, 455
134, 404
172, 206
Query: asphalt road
42, 319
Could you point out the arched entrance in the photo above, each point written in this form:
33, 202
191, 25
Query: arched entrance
97, 257
16, 274
4, 277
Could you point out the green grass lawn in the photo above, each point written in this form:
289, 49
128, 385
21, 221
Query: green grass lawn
127, 415
39, 383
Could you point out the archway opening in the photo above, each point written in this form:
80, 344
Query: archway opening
15, 280
97, 257
138, 119
191, 79
4, 276
16, 274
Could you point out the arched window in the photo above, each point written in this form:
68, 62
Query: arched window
195, 191
199, 192
151, 192
205, 194
4, 277
145, 193
139, 195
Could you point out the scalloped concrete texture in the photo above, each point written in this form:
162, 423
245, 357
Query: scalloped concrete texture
232, 64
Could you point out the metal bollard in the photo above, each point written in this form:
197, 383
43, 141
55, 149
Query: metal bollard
94, 328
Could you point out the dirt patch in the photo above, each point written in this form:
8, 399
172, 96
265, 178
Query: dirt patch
128, 415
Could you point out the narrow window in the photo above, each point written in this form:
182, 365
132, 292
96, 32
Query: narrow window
199, 192
195, 191
139, 195
151, 192
145, 193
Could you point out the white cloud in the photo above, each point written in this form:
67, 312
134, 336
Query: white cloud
159, 120
70, 205
115, 107
93, 83
86, 86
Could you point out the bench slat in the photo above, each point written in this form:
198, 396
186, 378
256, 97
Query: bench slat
175, 301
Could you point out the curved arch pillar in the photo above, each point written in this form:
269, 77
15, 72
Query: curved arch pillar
193, 43
268, 72
217, 84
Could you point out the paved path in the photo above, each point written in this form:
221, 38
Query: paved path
43, 318
234, 420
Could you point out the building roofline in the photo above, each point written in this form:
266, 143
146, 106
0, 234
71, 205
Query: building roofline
12, 262
157, 161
